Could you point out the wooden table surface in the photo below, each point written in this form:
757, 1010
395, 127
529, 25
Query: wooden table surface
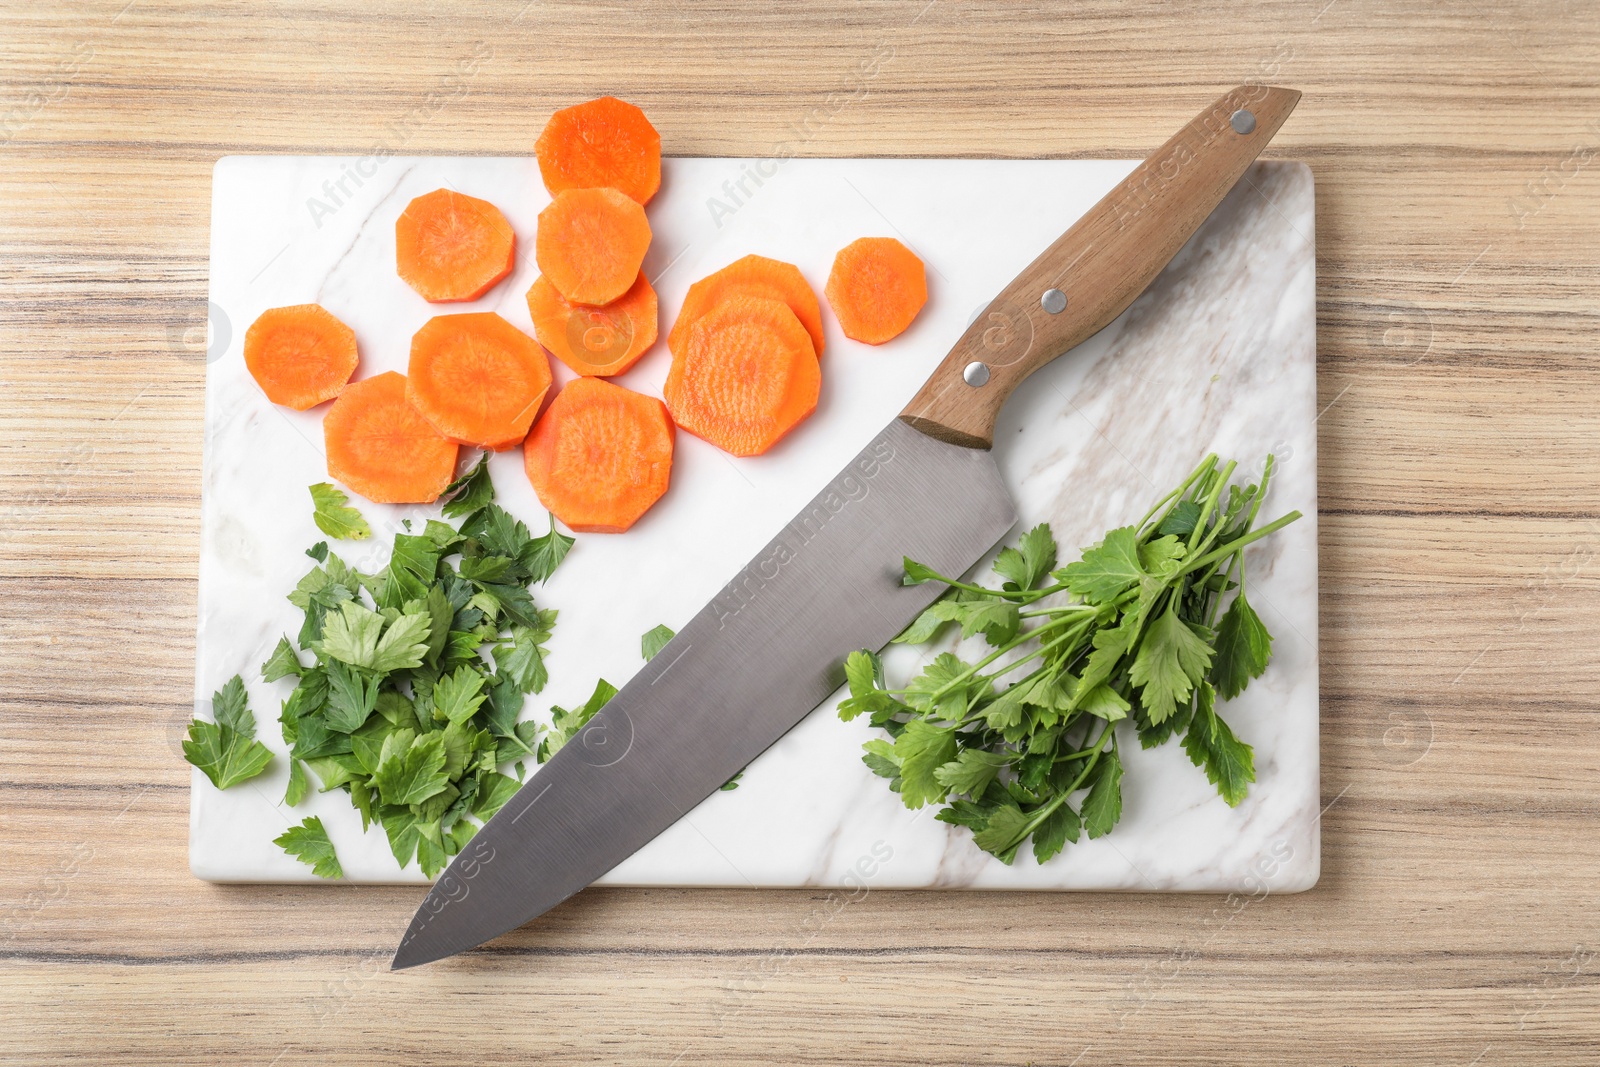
1458, 281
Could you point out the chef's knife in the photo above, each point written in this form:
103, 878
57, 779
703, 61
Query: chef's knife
770, 647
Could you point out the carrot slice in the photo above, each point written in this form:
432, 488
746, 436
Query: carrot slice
594, 341
604, 142
380, 446
745, 377
601, 456
450, 247
876, 288
478, 379
751, 276
591, 244
300, 355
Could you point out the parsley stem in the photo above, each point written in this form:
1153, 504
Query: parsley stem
1025, 595
1199, 536
1060, 798
966, 675
1069, 609
1239, 542
1177, 494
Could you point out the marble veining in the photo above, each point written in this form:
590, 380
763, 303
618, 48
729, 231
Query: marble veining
1218, 355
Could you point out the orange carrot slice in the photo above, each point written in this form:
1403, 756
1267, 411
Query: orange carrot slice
300, 355
601, 456
751, 276
380, 446
876, 288
478, 379
450, 247
745, 377
591, 244
596, 341
604, 142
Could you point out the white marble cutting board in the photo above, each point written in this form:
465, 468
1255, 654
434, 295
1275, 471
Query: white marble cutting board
1218, 355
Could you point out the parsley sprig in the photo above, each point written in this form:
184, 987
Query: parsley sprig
1023, 743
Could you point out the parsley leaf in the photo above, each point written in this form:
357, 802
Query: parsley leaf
545, 553
1107, 570
230, 707
941, 687
457, 696
1228, 762
413, 566
1002, 831
998, 620
412, 775
1052, 833
309, 843
1181, 520
1159, 558
357, 636
468, 493
299, 786
1031, 560
282, 663
226, 756
565, 724
522, 661
1243, 648
333, 517
226, 750
1103, 806
493, 792
972, 770
921, 750
1171, 659
352, 694
654, 641
864, 672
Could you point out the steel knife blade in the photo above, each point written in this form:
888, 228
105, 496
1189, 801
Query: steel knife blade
771, 645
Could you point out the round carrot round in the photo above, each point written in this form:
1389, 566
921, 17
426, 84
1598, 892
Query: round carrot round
478, 379
876, 288
746, 375
601, 456
594, 341
751, 276
604, 142
450, 247
300, 355
381, 447
591, 244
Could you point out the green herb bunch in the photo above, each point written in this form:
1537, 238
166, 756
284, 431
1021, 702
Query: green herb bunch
418, 673
1023, 743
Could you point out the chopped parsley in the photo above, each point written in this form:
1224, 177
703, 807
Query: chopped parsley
417, 675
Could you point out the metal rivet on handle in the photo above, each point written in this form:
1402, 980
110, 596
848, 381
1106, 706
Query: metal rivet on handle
976, 374
1243, 121
1053, 301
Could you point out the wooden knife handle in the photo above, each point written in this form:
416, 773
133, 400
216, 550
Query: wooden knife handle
1099, 266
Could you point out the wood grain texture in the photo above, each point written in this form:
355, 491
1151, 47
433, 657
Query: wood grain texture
1455, 155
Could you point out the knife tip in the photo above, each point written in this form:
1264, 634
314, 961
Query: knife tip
416, 949
406, 957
